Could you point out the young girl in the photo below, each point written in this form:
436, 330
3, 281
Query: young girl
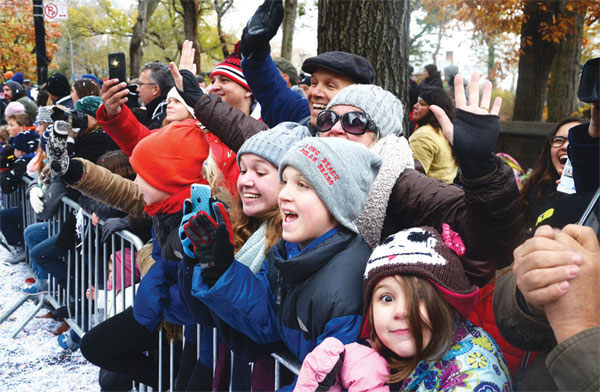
309, 285
417, 300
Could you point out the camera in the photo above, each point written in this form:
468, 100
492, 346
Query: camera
590, 81
76, 118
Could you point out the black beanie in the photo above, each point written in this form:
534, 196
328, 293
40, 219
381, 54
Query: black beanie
58, 85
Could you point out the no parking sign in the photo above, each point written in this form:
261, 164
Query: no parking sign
55, 11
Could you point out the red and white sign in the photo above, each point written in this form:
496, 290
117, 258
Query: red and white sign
56, 11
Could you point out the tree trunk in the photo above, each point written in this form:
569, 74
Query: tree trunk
221, 8
190, 26
145, 10
374, 29
535, 61
564, 74
287, 26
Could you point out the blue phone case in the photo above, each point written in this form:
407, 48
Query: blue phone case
200, 195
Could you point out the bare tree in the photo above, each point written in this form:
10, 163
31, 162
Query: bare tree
221, 8
287, 26
145, 10
190, 26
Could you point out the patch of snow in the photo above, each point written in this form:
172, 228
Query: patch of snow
34, 361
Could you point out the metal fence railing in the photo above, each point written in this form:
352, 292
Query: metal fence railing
88, 265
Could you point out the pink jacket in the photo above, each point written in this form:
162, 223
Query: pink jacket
363, 368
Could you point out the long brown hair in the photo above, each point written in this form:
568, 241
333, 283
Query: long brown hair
244, 226
544, 174
441, 325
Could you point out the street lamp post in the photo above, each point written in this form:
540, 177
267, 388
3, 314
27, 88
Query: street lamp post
71, 50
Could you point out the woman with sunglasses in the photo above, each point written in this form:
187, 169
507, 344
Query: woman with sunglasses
402, 197
540, 189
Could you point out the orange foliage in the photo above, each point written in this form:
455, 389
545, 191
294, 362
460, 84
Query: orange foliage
17, 38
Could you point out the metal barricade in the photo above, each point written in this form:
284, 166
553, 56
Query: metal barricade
87, 271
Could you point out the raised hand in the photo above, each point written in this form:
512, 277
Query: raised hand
261, 28
114, 94
185, 81
472, 105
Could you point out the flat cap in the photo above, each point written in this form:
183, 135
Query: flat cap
356, 67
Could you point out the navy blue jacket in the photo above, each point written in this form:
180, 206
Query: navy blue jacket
278, 102
298, 297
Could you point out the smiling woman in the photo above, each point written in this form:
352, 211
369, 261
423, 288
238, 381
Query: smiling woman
540, 189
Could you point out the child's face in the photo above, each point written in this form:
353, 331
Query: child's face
390, 318
13, 127
305, 217
151, 194
19, 153
258, 185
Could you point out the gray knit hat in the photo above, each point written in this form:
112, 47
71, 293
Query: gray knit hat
340, 171
273, 143
383, 107
43, 115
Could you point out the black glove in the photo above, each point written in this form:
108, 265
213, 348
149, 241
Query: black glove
212, 241
191, 90
8, 157
475, 137
112, 225
261, 28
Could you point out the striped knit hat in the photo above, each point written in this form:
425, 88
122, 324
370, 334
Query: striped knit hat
231, 68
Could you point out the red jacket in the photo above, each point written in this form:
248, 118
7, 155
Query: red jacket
483, 316
127, 131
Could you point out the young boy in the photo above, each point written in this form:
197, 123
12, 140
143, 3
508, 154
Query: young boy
310, 286
18, 122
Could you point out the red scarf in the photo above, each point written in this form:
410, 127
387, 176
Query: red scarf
170, 205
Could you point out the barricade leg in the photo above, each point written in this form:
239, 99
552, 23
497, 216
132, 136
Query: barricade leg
31, 315
13, 308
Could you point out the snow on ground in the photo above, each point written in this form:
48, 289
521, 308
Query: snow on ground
34, 361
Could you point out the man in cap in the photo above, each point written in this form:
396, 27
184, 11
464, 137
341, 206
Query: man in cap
59, 90
331, 72
289, 74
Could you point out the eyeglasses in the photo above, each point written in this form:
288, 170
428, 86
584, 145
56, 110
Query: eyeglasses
356, 123
558, 141
140, 84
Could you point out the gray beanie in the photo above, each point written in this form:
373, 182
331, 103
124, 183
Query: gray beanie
43, 115
340, 171
383, 107
273, 143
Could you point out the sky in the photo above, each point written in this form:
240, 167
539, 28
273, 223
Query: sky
305, 38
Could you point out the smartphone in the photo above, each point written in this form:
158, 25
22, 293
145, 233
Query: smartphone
117, 67
200, 195
591, 216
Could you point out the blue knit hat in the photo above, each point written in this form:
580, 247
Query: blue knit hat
26, 141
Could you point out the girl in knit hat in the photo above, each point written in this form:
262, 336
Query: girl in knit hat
417, 301
308, 287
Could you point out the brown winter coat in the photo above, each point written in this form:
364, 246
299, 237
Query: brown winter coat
573, 365
486, 212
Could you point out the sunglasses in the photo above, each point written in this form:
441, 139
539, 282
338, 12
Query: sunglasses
355, 123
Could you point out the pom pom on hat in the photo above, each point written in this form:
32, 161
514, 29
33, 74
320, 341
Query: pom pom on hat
231, 68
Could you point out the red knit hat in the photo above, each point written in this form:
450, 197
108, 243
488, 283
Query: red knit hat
172, 158
231, 68
422, 252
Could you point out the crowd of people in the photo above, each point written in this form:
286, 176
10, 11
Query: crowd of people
296, 212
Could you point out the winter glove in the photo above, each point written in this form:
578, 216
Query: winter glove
212, 242
36, 199
112, 225
474, 141
57, 148
8, 157
188, 213
322, 366
261, 28
191, 90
